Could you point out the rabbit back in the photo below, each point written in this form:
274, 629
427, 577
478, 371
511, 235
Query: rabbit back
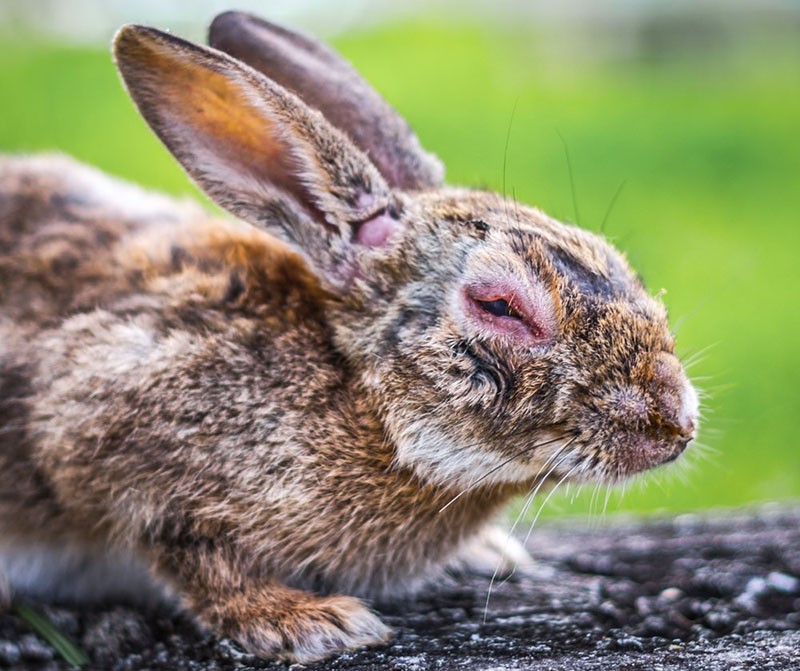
95, 275
63, 231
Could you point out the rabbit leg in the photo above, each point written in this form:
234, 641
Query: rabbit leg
277, 622
274, 621
493, 552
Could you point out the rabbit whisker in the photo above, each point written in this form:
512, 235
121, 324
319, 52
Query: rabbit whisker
611, 204
564, 449
494, 469
505, 153
565, 477
571, 179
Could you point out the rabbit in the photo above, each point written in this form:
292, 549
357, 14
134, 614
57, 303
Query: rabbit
323, 403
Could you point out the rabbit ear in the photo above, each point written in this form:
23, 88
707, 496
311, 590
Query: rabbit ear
327, 82
258, 150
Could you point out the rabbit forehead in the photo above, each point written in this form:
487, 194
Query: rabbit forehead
519, 236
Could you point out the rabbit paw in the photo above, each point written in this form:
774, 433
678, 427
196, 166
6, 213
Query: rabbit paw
306, 630
494, 552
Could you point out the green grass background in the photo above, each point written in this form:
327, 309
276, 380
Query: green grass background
708, 150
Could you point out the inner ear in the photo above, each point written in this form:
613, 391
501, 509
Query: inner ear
259, 151
212, 110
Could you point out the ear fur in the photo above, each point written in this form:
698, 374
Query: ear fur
256, 148
327, 82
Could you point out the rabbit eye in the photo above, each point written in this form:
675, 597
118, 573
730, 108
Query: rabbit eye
500, 308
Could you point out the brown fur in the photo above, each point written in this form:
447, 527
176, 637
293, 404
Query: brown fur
269, 423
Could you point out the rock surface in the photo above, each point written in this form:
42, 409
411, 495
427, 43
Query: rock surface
694, 592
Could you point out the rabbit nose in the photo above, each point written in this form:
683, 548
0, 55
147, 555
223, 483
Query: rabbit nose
678, 403
687, 418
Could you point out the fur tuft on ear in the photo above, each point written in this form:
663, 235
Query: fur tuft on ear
256, 148
327, 82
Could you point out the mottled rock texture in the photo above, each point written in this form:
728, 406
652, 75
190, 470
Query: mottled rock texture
713, 591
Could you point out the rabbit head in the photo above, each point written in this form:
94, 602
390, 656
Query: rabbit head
496, 344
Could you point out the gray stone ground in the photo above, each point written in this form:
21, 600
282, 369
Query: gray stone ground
709, 593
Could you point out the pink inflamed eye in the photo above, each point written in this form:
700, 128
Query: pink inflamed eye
512, 310
499, 307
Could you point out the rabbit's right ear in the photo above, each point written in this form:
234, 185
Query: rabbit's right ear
260, 152
327, 82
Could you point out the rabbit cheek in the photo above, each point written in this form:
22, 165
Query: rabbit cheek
437, 456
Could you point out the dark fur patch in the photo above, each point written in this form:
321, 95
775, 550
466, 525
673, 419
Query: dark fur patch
587, 282
15, 388
16, 464
178, 257
486, 369
235, 289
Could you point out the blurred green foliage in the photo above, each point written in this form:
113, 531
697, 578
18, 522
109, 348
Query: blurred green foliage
708, 151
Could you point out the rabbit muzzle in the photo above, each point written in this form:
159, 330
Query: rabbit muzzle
653, 421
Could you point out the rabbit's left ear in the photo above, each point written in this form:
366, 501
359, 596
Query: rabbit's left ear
327, 82
259, 151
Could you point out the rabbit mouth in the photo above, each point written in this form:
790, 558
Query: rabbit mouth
618, 454
646, 451
640, 425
